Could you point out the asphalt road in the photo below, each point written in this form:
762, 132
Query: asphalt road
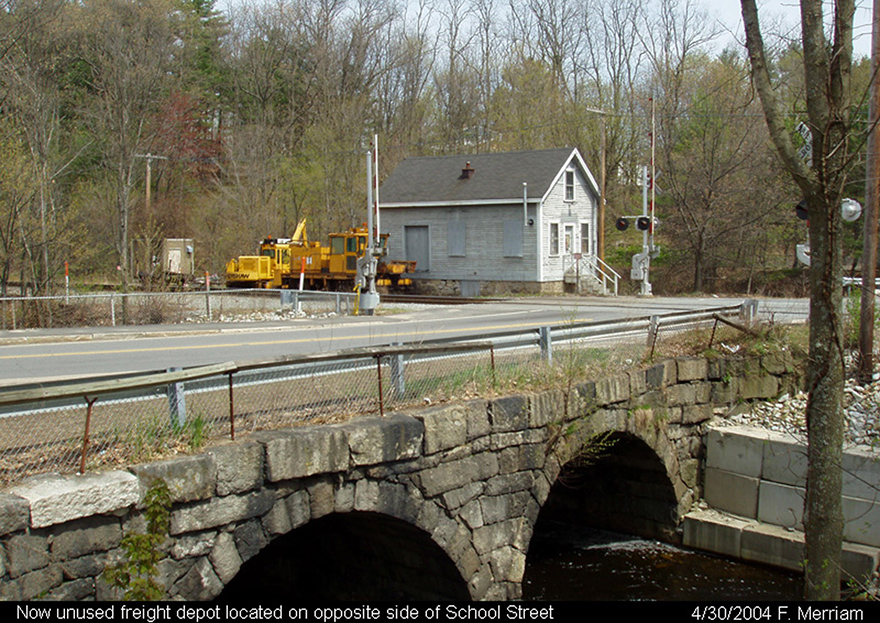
41, 355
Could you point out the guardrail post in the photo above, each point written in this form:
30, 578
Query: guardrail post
177, 403
492, 362
397, 378
546, 342
748, 311
653, 332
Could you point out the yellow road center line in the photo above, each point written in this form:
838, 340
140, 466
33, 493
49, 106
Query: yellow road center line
420, 333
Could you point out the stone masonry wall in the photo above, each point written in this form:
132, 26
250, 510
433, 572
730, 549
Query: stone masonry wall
472, 475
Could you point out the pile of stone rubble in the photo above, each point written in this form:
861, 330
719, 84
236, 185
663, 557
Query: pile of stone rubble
260, 316
786, 415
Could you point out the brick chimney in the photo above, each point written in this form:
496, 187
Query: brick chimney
467, 172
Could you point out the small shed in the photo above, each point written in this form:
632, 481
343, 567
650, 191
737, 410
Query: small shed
516, 222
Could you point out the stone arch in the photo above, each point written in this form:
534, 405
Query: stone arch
395, 511
640, 458
351, 556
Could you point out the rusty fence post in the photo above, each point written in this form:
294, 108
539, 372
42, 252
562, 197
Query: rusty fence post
85, 446
231, 410
379, 374
712, 337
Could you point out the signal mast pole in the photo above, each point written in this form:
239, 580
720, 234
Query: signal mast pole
641, 262
645, 255
368, 264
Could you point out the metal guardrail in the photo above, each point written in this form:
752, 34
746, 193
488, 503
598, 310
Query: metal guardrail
356, 380
289, 367
591, 329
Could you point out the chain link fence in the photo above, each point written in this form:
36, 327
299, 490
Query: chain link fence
118, 421
146, 308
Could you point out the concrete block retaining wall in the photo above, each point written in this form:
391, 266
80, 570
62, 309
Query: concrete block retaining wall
754, 484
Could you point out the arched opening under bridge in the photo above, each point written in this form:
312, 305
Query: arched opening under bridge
357, 556
596, 509
626, 488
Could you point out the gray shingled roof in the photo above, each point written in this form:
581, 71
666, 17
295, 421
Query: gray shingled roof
438, 179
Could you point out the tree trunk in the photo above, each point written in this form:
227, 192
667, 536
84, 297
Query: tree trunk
823, 513
698, 273
827, 73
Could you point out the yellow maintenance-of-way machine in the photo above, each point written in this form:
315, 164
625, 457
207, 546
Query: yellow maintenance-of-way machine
286, 262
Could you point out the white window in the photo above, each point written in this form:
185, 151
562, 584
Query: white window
585, 238
569, 239
569, 185
554, 238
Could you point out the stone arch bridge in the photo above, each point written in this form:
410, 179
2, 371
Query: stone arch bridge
432, 503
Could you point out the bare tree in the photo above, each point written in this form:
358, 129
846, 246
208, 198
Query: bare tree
613, 68
29, 59
403, 103
128, 46
16, 192
273, 96
553, 31
455, 78
673, 38
713, 157
827, 68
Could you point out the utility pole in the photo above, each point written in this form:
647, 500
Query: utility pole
600, 212
149, 180
872, 196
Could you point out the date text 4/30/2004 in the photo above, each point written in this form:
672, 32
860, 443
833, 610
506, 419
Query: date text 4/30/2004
742, 613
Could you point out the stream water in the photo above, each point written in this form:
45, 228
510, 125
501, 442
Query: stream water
572, 563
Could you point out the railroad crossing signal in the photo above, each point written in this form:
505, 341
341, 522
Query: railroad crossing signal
850, 210
643, 223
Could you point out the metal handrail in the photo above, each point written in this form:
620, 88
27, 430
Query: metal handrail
599, 270
599, 266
